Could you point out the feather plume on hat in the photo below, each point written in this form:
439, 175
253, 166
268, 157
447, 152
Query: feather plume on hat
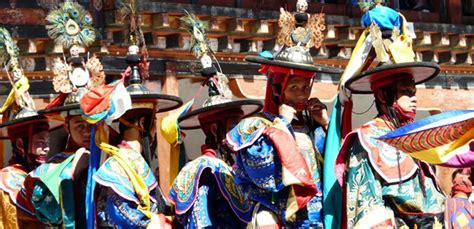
128, 11
197, 29
69, 23
19, 102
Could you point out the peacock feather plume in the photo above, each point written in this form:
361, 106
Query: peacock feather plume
18, 102
197, 29
8, 49
70, 24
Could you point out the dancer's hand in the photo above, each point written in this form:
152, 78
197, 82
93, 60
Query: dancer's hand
318, 112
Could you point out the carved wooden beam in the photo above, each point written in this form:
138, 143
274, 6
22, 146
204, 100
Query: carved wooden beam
441, 42
22, 16
348, 37
423, 41
240, 28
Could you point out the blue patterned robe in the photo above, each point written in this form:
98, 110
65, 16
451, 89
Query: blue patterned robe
205, 195
260, 173
118, 200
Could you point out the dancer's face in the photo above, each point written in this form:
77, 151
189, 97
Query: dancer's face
297, 92
79, 130
406, 95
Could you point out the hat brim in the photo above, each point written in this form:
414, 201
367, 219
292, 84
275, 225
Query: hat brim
421, 72
165, 102
53, 124
59, 109
191, 119
305, 67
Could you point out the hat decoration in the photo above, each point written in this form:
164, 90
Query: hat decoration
216, 81
128, 10
70, 25
200, 49
137, 56
18, 112
19, 101
217, 106
138, 68
301, 28
220, 95
299, 32
197, 30
387, 34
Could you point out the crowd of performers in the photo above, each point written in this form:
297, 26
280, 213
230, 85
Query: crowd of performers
281, 163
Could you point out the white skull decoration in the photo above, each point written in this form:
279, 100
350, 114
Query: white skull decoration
206, 61
301, 6
133, 50
75, 50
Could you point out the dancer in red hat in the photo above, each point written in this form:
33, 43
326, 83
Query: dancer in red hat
29, 137
279, 151
204, 193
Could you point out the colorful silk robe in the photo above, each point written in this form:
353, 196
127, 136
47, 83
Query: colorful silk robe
381, 190
459, 213
205, 195
279, 167
16, 210
122, 197
57, 194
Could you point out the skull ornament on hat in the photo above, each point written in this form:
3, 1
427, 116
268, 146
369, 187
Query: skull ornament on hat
19, 115
298, 33
71, 26
219, 106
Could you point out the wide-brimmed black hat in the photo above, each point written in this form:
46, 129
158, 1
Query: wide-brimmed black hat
163, 103
64, 103
247, 107
18, 123
421, 72
59, 109
296, 57
152, 103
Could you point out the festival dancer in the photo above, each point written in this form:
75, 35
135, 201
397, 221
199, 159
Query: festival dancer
280, 151
29, 136
204, 193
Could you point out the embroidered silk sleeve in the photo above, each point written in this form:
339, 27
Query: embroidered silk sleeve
208, 178
364, 191
319, 139
53, 195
